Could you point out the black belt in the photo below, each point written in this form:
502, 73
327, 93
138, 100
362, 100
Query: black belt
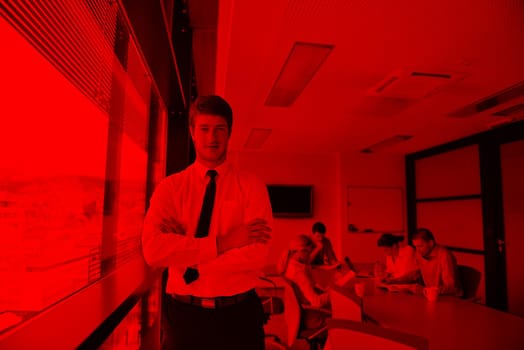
216, 302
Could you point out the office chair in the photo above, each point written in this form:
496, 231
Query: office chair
470, 279
273, 305
348, 334
315, 337
295, 314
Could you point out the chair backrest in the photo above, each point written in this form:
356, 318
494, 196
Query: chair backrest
470, 279
292, 311
347, 334
344, 304
272, 305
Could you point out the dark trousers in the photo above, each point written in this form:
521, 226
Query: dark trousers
191, 327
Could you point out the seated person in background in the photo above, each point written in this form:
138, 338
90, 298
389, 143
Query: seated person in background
401, 264
295, 266
437, 264
323, 253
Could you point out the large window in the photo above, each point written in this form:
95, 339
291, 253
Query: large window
74, 127
134, 331
449, 203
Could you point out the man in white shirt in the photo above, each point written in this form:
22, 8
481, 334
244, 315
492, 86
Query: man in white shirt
438, 265
209, 225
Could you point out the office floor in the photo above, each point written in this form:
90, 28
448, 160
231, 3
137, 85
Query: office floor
277, 325
300, 345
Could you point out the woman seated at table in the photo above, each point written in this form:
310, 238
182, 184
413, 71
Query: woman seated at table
401, 263
294, 265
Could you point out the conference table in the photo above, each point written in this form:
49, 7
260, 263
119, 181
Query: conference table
448, 323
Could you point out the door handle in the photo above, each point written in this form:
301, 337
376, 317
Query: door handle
500, 245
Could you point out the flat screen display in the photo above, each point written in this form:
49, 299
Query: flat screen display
291, 200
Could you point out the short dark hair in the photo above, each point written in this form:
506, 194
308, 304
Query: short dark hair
318, 227
423, 233
213, 105
389, 240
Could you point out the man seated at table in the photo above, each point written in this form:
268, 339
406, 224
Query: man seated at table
437, 264
323, 252
400, 259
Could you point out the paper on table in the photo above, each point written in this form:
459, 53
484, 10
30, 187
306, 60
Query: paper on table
8, 319
410, 288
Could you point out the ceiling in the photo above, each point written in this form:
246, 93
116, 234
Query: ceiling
479, 43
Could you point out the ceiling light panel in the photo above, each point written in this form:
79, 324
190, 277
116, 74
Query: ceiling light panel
303, 61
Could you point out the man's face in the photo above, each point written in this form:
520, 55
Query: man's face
210, 136
422, 247
302, 254
388, 251
317, 236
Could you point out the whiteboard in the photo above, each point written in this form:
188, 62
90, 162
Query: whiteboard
375, 209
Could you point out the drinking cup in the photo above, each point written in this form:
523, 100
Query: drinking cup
431, 293
360, 288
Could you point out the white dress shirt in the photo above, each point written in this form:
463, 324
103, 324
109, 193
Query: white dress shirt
240, 198
404, 263
439, 269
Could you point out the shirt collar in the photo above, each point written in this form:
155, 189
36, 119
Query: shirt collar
201, 169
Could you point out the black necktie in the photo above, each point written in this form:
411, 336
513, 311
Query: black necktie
191, 274
207, 206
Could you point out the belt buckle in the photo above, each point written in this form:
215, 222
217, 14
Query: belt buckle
208, 303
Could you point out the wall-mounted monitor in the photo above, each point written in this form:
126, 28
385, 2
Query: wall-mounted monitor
291, 200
